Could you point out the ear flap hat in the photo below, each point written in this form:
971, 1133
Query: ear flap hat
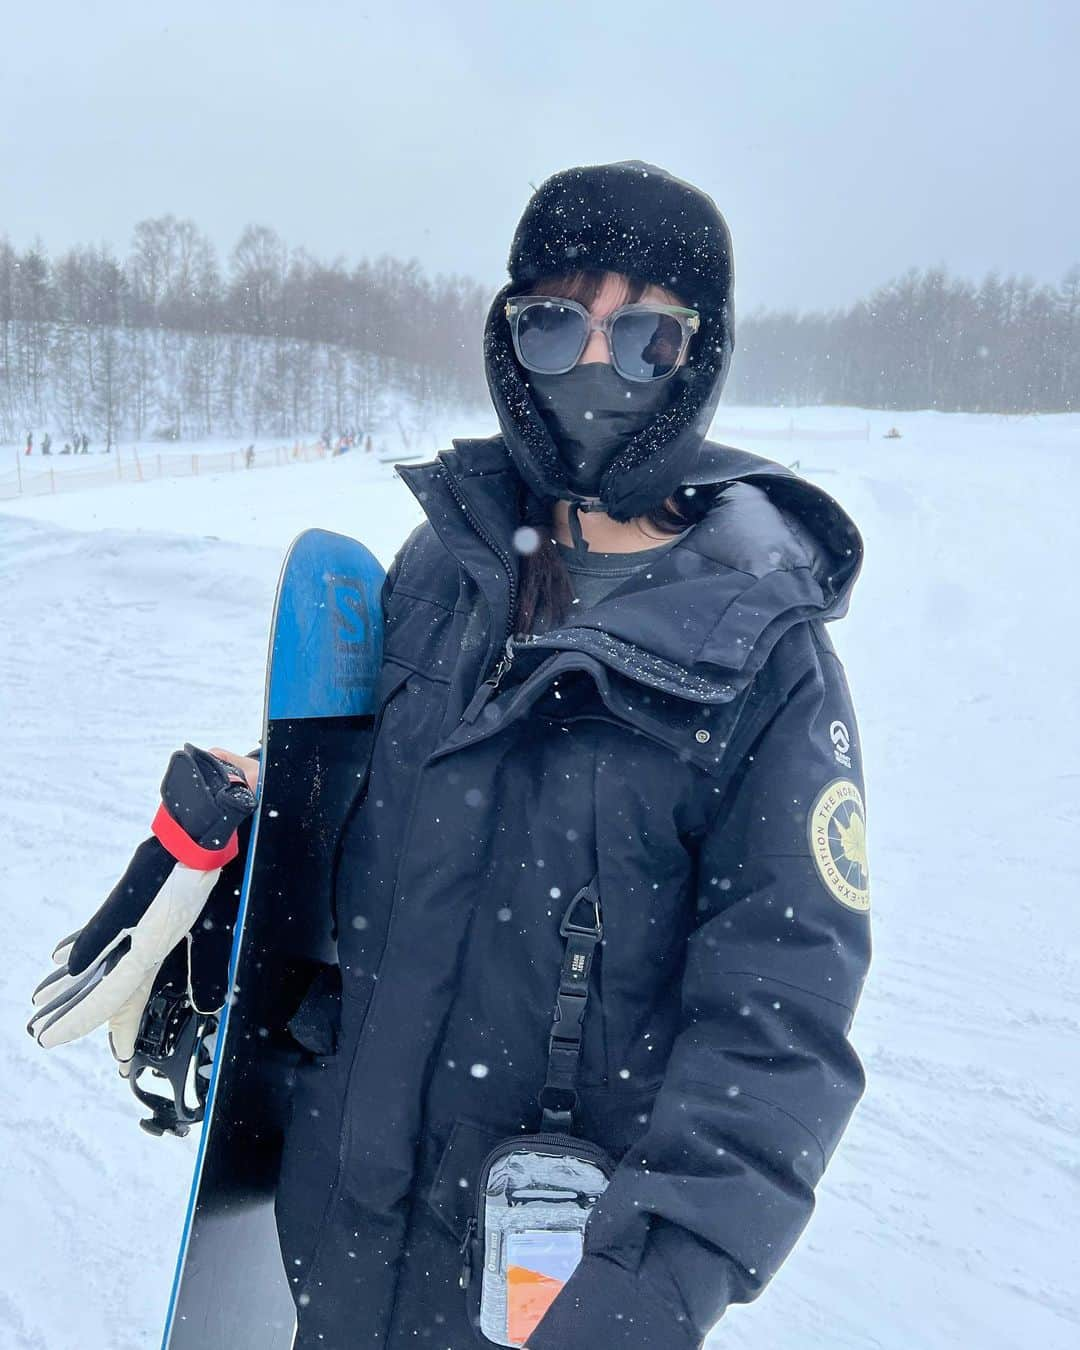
639, 220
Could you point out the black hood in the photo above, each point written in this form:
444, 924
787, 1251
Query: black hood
773, 548
636, 219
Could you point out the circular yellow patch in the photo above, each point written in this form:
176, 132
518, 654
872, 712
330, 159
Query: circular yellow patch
837, 829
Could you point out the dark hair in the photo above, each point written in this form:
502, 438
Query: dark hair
546, 594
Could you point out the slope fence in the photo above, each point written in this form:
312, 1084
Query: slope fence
137, 466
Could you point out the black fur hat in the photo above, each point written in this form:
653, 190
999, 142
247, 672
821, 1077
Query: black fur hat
636, 219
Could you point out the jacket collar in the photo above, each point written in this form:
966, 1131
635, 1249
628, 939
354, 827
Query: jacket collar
773, 549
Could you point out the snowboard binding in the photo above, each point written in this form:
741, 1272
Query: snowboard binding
175, 1047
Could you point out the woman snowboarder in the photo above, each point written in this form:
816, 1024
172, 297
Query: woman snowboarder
612, 739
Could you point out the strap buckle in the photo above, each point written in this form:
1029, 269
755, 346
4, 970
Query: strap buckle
570, 1009
595, 928
558, 1106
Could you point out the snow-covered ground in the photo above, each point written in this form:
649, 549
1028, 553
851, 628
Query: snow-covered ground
133, 618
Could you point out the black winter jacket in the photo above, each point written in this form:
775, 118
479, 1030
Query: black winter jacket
690, 741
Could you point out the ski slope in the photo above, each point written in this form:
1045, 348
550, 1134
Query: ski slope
133, 618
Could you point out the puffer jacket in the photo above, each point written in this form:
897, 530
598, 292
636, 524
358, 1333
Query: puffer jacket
690, 742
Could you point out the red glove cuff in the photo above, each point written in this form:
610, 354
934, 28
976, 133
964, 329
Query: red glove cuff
185, 850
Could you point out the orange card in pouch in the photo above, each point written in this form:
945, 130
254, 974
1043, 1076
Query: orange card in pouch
538, 1264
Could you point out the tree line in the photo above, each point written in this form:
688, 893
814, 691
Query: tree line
924, 340
169, 342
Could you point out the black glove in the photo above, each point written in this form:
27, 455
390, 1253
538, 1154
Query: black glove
108, 969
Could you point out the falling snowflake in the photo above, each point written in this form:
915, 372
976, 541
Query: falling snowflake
526, 540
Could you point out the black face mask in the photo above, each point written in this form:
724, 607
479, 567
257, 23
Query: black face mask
592, 412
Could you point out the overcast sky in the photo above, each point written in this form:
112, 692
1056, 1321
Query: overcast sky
844, 141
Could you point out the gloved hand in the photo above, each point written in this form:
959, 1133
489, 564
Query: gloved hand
107, 969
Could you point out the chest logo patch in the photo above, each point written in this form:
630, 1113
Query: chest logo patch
837, 830
841, 739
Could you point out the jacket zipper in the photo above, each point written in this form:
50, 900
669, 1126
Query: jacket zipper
581, 1147
492, 544
465, 1278
490, 686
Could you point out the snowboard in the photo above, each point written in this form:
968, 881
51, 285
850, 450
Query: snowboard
230, 1290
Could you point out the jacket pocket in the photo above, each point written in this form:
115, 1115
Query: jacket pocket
616, 1117
452, 1198
392, 675
317, 1021
453, 1189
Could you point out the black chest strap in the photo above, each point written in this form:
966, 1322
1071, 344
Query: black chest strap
582, 928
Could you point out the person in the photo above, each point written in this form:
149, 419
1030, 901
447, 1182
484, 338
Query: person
606, 673
29, 443
46, 444
249, 457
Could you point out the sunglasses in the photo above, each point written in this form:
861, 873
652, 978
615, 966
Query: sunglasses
646, 342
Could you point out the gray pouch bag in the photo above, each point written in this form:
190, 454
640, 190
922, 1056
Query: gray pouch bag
535, 1193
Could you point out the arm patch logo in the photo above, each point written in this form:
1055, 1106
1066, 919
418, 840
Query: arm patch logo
837, 831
